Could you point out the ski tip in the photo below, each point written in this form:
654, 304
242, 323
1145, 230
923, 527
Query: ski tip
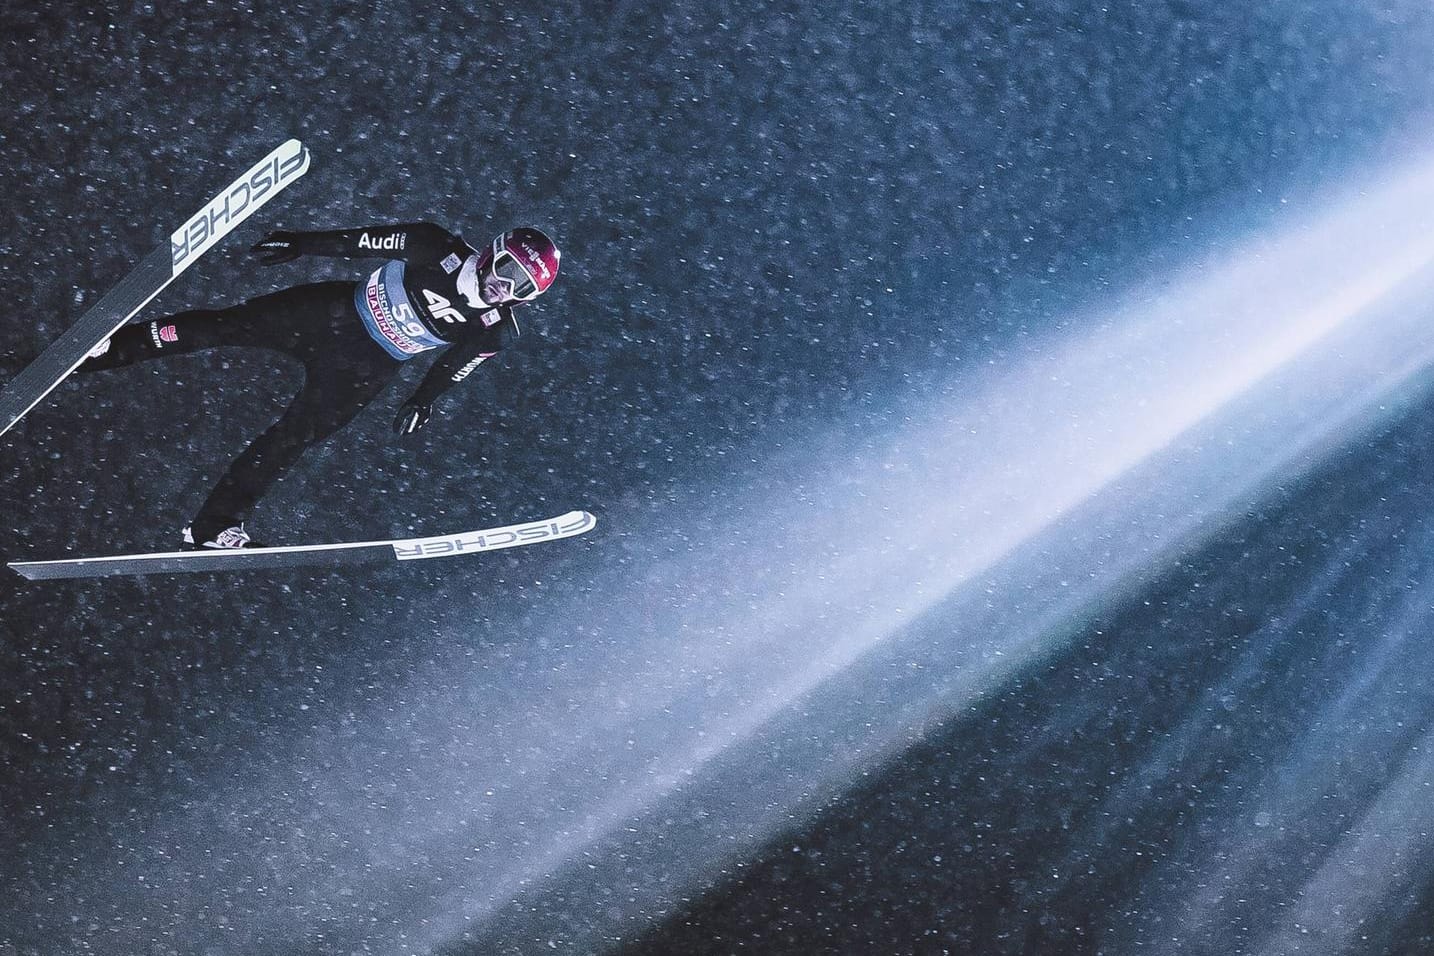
577, 522
236, 203
572, 523
289, 146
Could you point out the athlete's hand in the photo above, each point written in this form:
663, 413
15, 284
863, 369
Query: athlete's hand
411, 417
277, 247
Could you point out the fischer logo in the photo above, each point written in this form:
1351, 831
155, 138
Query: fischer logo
576, 523
467, 370
393, 243
225, 211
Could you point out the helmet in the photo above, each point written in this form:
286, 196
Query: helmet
519, 265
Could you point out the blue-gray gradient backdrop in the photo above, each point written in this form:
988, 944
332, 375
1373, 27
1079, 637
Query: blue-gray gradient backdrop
859, 658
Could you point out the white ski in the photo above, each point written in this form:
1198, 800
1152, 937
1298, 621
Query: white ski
408, 549
264, 180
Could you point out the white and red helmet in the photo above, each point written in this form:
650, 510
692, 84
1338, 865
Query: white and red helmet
521, 263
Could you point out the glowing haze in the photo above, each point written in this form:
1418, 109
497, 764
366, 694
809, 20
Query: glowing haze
725, 672
1042, 488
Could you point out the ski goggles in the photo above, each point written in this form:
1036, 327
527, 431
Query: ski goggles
510, 272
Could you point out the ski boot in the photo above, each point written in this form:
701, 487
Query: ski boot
219, 536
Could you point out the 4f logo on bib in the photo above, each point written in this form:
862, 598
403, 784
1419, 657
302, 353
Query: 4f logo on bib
442, 308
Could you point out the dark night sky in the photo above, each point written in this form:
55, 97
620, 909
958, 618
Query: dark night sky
777, 219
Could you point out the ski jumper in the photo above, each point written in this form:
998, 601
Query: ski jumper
350, 338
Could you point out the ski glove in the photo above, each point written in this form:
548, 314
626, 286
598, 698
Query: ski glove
411, 417
277, 247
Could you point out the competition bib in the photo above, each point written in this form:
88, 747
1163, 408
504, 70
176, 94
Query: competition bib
389, 316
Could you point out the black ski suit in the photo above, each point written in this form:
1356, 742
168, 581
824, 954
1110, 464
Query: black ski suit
350, 339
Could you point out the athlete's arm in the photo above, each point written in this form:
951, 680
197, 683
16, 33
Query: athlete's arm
453, 366
413, 240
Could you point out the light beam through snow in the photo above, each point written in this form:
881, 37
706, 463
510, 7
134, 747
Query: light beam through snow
725, 673
963, 489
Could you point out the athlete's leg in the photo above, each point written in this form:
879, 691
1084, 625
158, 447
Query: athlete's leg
273, 321
317, 324
173, 335
320, 409
344, 371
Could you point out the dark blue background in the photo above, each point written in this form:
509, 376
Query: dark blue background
773, 215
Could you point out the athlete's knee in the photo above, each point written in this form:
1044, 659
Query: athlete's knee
181, 332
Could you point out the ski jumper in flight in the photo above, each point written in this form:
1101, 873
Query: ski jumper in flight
434, 291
